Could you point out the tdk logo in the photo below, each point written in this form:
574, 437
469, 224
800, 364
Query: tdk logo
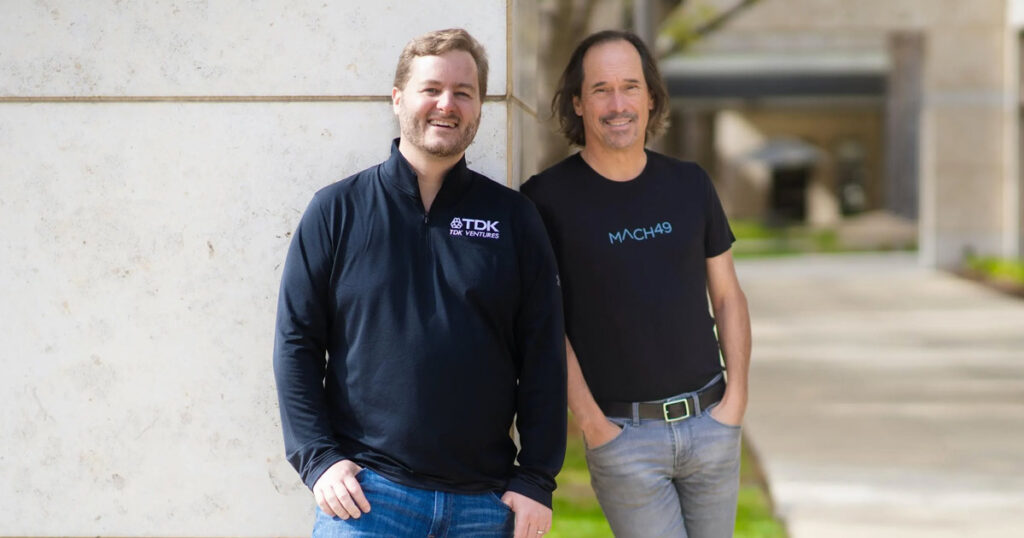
487, 229
640, 234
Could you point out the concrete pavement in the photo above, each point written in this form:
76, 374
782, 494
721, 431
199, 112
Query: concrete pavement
887, 400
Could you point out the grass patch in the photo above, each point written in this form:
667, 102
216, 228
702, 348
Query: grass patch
1001, 269
577, 514
756, 239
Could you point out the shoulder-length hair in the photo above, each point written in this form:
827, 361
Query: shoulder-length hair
570, 85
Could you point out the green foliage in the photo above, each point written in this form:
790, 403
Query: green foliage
825, 240
754, 517
577, 514
750, 229
754, 239
684, 23
691, 20
1004, 269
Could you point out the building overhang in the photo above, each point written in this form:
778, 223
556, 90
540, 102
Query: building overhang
819, 75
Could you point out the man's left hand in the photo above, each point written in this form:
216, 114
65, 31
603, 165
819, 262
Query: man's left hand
533, 519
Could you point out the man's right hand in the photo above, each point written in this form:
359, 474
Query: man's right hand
338, 493
601, 431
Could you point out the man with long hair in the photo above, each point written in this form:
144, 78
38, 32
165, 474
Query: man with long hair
642, 242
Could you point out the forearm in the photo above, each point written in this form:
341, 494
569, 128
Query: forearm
309, 443
733, 321
541, 422
581, 402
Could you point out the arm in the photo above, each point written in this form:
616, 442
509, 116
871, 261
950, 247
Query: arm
600, 429
729, 305
541, 400
300, 347
597, 429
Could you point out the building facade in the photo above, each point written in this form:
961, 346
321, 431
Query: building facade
811, 110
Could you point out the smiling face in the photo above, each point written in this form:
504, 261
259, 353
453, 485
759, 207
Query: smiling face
439, 108
614, 101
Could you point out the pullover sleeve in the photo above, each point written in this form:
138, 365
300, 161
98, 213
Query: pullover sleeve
541, 398
300, 346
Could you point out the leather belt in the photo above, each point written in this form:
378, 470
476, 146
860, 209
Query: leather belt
670, 409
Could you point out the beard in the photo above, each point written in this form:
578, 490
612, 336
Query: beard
414, 131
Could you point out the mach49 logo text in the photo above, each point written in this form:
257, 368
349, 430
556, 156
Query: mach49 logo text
487, 229
640, 234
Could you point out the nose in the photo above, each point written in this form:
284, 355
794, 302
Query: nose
446, 101
618, 101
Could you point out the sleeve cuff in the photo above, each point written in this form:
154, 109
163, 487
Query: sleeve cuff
522, 487
321, 466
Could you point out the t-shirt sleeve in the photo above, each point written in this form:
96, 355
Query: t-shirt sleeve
718, 236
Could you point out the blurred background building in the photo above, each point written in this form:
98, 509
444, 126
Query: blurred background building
877, 117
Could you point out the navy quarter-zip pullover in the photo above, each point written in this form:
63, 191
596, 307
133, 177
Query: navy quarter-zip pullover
406, 341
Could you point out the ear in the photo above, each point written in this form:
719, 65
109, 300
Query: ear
577, 106
396, 99
650, 101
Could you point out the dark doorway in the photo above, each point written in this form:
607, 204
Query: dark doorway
789, 194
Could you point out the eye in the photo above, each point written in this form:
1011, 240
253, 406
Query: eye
431, 91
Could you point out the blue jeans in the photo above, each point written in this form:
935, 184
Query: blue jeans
399, 511
669, 479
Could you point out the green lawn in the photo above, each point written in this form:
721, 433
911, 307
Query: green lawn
1006, 270
577, 514
755, 239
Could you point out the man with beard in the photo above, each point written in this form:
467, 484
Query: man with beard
642, 242
419, 313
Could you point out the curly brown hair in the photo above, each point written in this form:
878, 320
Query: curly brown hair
571, 84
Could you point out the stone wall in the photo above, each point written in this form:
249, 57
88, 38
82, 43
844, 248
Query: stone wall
154, 160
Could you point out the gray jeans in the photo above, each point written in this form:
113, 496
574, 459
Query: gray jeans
662, 479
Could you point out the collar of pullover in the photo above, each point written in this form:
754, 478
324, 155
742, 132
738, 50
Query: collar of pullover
398, 173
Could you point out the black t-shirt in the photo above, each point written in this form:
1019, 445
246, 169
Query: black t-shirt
632, 261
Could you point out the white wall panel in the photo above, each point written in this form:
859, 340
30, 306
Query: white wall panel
230, 47
140, 253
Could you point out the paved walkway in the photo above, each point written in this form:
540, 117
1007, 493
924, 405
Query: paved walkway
886, 400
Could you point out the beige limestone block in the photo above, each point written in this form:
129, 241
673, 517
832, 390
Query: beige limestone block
966, 59
968, 197
142, 249
865, 14
524, 53
525, 140
232, 47
967, 133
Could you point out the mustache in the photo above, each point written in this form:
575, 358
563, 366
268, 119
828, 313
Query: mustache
619, 116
